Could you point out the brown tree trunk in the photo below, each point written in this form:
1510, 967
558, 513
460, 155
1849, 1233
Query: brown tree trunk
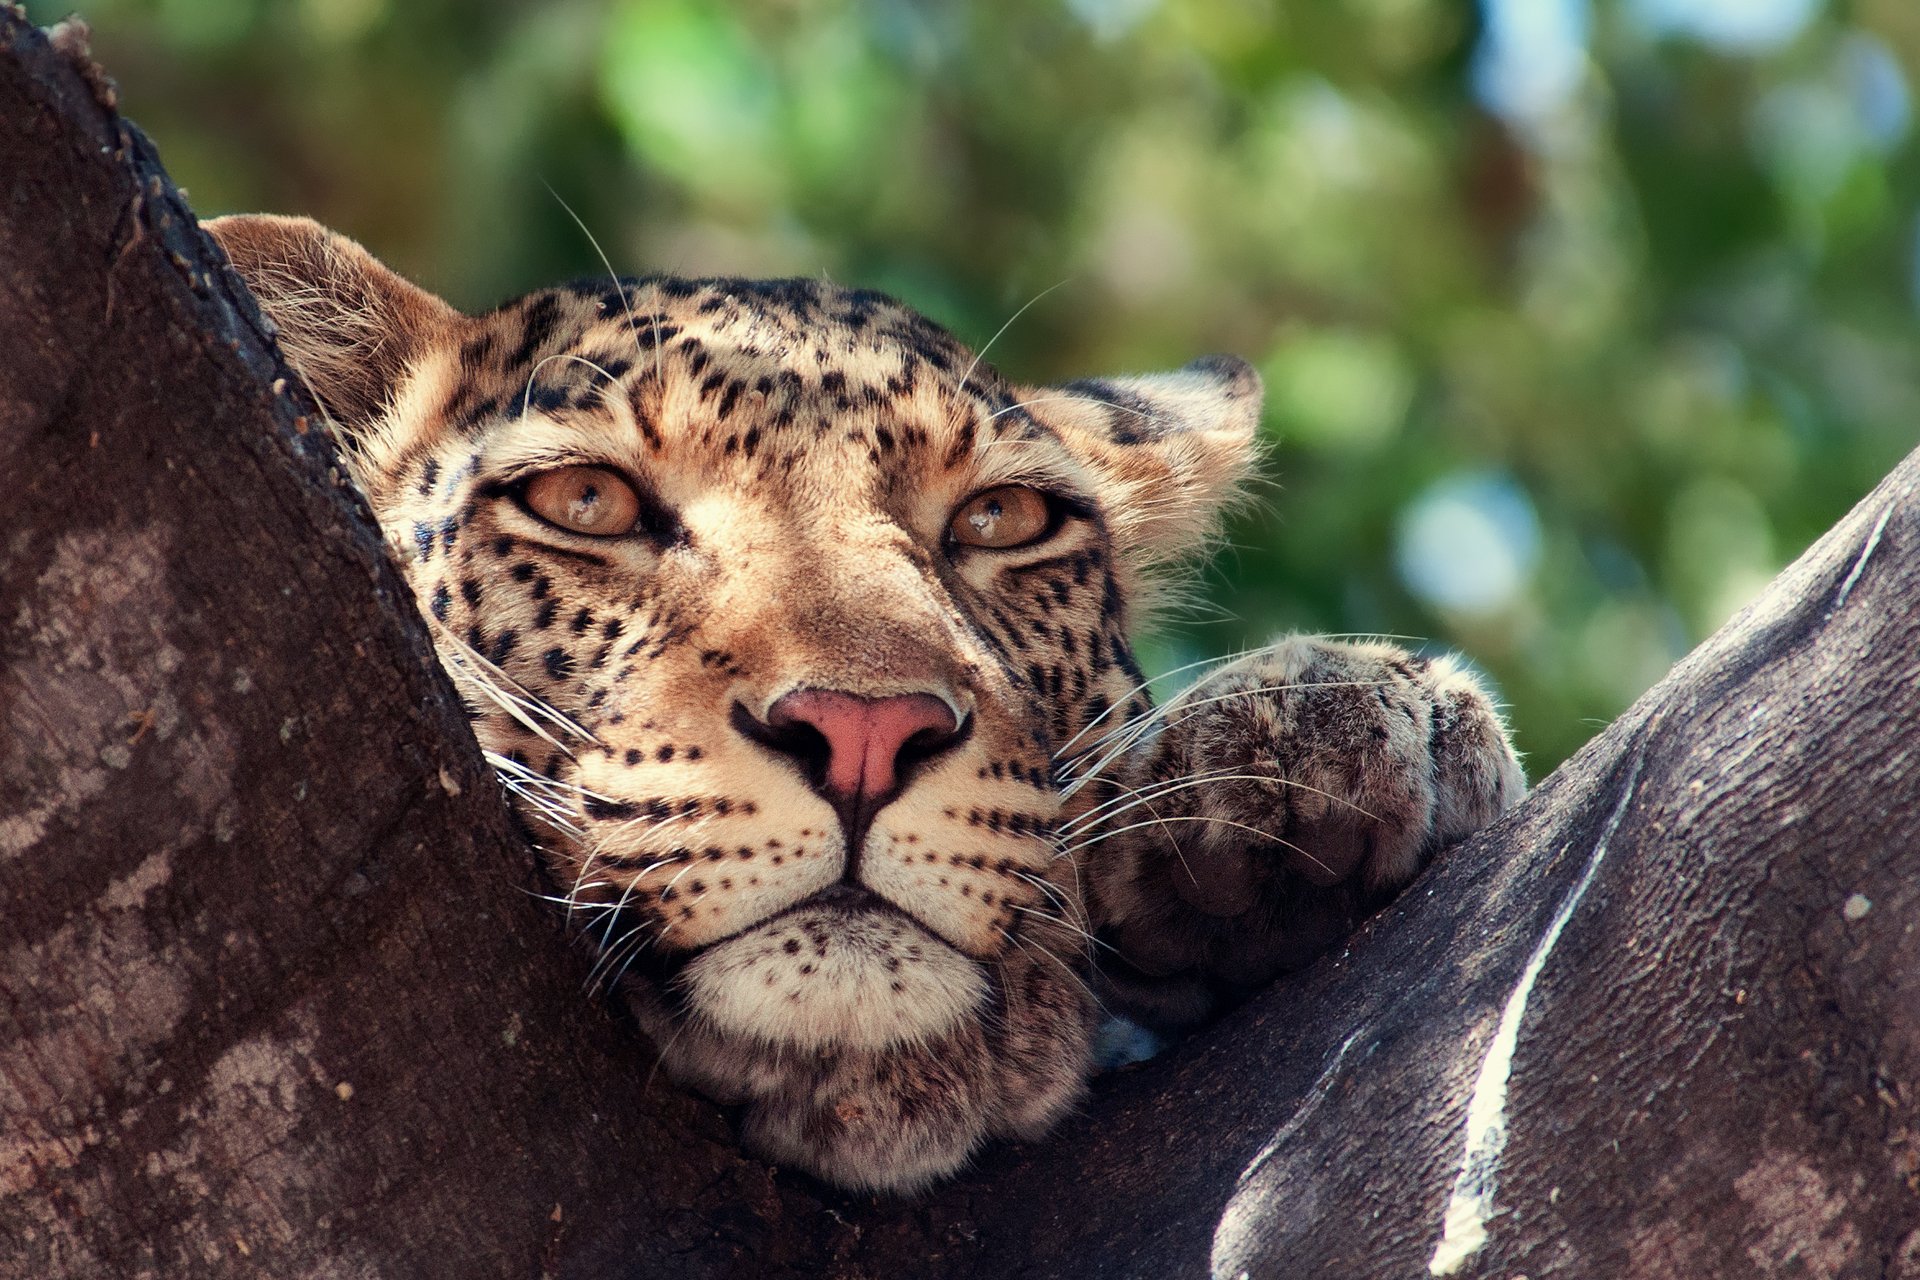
276, 998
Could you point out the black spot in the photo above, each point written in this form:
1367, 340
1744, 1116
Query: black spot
470, 591
612, 811
429, 474
478, 350
544, 619
540, 316
502, 646
559, 663
442, 601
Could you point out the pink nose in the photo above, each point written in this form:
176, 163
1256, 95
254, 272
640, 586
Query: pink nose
866, 737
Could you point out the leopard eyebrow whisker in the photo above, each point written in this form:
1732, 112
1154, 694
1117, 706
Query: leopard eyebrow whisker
620, 286
981, 354
526, 398
1135, 410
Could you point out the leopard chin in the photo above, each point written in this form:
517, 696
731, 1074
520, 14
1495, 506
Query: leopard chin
878, 1057
842, 970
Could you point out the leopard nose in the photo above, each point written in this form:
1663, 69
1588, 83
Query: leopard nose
854, 748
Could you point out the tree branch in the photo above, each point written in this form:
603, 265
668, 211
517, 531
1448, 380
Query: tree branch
277, 998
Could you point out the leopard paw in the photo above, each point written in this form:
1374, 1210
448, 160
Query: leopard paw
1284, 798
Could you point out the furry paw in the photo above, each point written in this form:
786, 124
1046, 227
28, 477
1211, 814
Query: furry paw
1285, 797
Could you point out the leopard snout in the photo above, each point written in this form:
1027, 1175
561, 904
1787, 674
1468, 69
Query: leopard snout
856, 752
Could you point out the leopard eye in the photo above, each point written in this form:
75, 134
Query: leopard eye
589, 500
1010, 516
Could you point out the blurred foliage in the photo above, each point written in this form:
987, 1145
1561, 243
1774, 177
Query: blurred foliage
1578, 322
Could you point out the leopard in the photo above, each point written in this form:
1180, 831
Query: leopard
800, 639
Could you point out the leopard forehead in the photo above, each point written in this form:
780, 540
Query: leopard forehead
755, 377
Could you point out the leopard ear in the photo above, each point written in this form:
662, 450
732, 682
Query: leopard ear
349, 326
1169, 451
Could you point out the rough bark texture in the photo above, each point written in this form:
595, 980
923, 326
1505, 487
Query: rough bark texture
275, 1000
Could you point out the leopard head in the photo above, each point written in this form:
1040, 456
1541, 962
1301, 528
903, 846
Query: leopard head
775, 607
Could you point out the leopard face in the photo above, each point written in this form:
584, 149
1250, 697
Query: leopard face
774, 607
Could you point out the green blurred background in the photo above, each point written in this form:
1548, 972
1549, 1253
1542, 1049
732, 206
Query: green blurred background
1578, 319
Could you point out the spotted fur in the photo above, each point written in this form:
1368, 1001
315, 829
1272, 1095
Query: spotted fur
877, 1010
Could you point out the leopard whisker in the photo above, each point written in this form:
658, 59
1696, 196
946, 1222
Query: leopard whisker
537, 807
1052, 891
1049, 917
1188, 708
1032, 948
603, 976
1149, 791
1143, 687
1226, 822
514, 708
620, 905
568, 900
1201, 781
483, 673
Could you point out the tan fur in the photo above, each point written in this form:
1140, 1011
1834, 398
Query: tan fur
880, 1010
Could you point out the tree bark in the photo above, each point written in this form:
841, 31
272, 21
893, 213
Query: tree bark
277, 998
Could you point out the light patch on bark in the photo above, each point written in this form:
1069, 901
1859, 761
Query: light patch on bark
239, 1152
130, 892
1906, 1261
1463, 1225
1799, 1217
68, 700
94, 688
101, 995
